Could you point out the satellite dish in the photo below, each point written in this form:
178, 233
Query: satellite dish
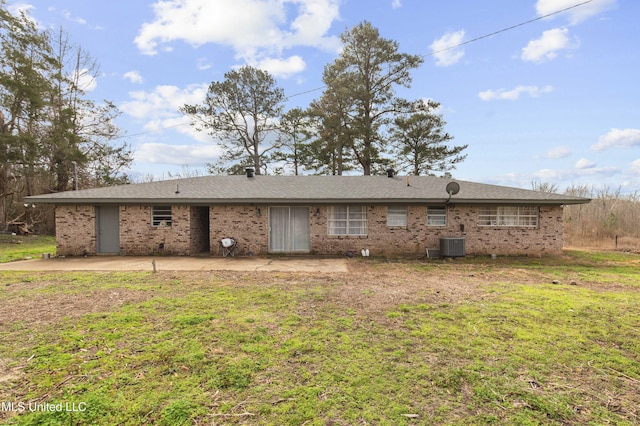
453, 188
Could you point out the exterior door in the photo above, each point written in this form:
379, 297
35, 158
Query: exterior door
289, 229
107, 229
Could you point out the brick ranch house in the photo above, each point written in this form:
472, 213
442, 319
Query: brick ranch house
324, 215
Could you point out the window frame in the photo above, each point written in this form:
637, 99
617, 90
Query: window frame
432, 219
159, 216
397, 218
348, 222
509, 216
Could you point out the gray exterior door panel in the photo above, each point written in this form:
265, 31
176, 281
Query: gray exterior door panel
107, 229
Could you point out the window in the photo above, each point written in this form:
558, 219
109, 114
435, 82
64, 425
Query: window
437, 216
397, 216
347, 220
161, 216
525, 216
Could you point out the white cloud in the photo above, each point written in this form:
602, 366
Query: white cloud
78, 20
312, 24
283, 67
568, 176
85, 80
583, 164
557, 153
514, 94
546, 47
203, 64
133, 76
634, 169
550, 175
580, 171
576, 14
395, 4
264, 32
618, 138
191, 155
444, 51
17, 8
180, 123
163, 101
159, 108
584, 170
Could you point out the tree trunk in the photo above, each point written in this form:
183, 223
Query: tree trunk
3, 204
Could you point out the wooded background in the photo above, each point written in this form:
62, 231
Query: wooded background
54, 138
610, 221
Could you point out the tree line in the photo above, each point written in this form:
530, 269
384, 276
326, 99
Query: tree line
610, 220
52, 136
358, 124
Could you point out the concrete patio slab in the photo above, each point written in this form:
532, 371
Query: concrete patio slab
177, 263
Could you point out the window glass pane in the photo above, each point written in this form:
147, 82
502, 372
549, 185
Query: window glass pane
338, 229
397, 216
340, 212
526, 216
299, 228
356, 214
488, 216
355, 228
161, 216
436, 216
336, 226
347, 220
357, 220
508, 216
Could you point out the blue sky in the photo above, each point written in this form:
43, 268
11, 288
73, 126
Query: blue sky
556, 100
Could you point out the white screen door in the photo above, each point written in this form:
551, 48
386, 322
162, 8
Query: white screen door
289, 229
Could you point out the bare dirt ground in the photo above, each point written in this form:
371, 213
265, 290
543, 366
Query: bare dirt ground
47, 309
40, 299
368, 288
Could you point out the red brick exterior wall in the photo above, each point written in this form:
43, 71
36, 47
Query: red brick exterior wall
139, 237
251, 230
75, 230
545, 239
249, 225
417, 236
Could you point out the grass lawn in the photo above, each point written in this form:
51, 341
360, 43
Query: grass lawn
18, 247
470, 342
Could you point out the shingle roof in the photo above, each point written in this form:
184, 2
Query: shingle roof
303, 189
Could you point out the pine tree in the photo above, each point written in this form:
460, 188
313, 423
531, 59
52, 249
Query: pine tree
364, 77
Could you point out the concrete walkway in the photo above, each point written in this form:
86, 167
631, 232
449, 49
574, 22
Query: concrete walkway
144, 263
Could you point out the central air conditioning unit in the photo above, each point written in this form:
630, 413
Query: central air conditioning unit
452, 247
